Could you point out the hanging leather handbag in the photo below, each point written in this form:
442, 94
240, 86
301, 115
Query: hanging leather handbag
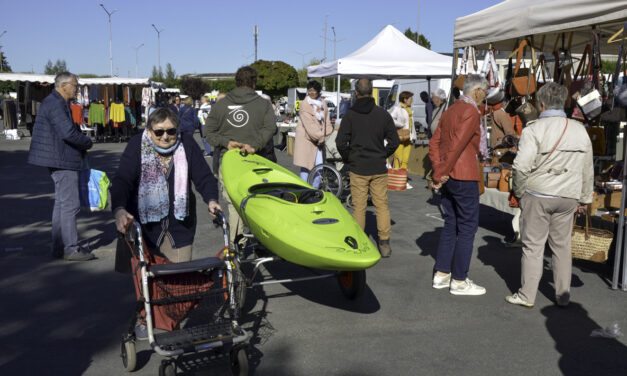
403, 134
493, 179
579, 79
527, 112
481, 176
523, 81
504, 180
591, 104
461, 78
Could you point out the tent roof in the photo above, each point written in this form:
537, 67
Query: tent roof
390, 54
546, 20
46, 78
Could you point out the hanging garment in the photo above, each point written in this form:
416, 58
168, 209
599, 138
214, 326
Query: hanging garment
117, 112
146, 97
94, 93
130, 118
96, 114
77, 113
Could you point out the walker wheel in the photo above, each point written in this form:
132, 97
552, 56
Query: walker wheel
129, 356
352, 284
239, 361
167, 369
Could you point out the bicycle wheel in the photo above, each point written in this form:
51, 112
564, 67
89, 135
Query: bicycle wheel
329, 178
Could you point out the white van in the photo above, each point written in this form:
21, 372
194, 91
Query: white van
416, 86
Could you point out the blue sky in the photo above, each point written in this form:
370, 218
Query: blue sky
208, 36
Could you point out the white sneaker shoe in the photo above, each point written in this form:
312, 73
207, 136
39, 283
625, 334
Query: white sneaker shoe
441, 281
408, 186
466, 287
515, 299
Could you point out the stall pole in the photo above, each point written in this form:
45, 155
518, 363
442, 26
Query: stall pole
620, 243
337, 106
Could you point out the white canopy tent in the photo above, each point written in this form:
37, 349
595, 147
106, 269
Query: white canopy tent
548, 21
46, 78
390, 54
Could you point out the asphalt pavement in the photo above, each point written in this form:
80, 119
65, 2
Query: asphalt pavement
64, 318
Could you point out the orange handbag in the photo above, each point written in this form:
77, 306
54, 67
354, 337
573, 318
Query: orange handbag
504, 181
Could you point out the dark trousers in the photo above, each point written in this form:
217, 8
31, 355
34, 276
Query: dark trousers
66, 208
460, 201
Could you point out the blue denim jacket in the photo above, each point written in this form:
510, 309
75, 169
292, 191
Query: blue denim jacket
56, 141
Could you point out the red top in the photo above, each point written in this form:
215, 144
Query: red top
454, 147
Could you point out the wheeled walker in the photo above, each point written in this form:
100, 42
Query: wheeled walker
195, 305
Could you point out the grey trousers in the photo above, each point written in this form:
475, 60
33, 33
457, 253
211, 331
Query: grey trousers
542, 219
66, 208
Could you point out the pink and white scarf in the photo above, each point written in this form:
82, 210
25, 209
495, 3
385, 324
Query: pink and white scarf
153, 191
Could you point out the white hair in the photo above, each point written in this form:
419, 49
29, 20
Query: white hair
440, 93
474, 81
63, 77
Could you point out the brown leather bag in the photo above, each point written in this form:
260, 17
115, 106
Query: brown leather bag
403, 134
481, 182
524, 81
493, 179
504, 180
459, 81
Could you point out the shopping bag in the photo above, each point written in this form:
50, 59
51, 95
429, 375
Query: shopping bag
93, 189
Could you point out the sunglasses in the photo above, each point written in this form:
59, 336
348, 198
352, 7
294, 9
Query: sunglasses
160, 132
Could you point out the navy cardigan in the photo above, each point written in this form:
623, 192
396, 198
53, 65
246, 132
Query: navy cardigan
56, 141
125, 184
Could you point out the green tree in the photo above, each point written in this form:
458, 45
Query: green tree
5, 86
422, 40
275, 77
170, 79
156, 75
223, 86
56, 68
608, 67
194, 87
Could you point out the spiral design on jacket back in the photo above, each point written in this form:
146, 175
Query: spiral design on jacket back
239, 116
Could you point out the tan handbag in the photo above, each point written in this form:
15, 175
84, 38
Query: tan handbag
493, 179
403, 134
506, 174
523, 82
481, 181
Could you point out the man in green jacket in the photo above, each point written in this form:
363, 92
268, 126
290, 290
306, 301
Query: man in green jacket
241, 120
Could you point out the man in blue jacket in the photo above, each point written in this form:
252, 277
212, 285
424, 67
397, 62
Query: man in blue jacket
58, 145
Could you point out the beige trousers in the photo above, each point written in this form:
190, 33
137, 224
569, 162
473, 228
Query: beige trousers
236, 225
182, 254
378, 187
542, 219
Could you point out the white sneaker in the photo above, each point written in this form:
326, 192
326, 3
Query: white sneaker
466, 287
516, 299
441, 281
407, 186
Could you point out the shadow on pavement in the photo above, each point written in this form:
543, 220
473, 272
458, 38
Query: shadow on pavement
56, 321
582, 354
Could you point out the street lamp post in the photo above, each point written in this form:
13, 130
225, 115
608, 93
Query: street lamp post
302, 55
158, 45
110, 36
2, 56
137, 59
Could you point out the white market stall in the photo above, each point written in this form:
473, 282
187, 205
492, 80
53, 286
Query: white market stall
33, 88
550, 25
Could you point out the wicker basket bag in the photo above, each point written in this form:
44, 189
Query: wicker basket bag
591, 244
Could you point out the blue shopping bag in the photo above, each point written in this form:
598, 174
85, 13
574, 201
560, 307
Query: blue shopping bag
93, 189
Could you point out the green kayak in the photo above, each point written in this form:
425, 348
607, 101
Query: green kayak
298, 223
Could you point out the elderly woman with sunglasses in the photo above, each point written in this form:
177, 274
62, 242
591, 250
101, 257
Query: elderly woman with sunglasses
153, 185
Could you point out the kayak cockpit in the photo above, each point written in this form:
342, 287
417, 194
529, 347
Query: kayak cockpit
289, 192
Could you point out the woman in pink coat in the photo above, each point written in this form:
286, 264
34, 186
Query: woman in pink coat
314, 124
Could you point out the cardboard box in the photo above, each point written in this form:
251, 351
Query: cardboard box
419, 163
605, 200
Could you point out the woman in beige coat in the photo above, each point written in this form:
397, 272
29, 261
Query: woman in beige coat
314, 124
